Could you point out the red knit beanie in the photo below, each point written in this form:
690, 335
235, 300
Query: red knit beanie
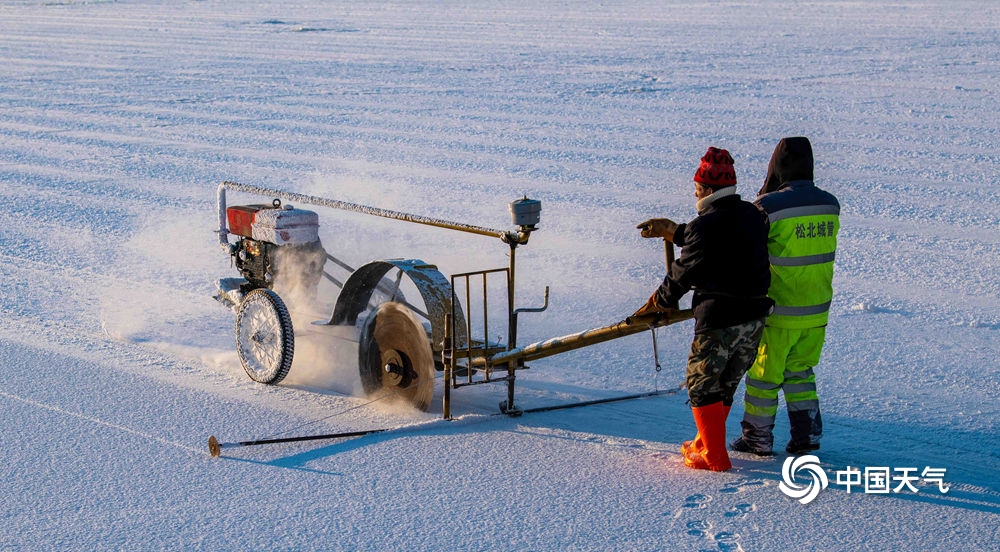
716, 169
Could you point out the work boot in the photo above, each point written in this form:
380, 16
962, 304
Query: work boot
796, 449
757, 437
740, 445
711, 423
806, 428
697, 445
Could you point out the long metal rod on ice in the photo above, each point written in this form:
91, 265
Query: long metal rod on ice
600, 401
215, 447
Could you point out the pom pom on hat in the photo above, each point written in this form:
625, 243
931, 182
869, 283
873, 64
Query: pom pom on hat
716, 169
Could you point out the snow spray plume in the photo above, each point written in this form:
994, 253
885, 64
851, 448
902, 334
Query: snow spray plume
325, 356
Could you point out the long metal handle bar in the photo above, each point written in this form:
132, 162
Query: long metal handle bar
582, 339
345, 206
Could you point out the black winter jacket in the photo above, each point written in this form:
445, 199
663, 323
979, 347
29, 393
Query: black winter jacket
724, 259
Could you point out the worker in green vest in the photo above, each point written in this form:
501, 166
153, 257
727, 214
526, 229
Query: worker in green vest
802, 240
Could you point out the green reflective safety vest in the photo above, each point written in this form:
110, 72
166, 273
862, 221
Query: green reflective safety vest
801, 244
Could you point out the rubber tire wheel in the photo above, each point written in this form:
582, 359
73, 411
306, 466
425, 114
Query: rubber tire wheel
265, 340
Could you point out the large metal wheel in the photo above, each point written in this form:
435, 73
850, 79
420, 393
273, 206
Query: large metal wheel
264, 337
395, 356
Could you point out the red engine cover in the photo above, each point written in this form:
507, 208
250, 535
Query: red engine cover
241, 219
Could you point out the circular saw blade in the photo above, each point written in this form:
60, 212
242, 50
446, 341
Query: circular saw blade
395, 356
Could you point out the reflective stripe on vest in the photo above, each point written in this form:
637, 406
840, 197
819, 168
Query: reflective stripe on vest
803, 261
802, 311
805, 211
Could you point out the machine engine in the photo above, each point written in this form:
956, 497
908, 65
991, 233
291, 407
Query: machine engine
278, 248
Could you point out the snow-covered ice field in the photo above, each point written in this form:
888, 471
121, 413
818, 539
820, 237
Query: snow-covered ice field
118, 120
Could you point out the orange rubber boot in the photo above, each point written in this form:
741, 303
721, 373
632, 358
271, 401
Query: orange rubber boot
697, 445
711, 423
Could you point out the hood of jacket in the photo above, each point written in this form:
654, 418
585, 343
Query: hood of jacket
792, 160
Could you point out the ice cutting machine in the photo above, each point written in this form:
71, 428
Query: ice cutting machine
400, 345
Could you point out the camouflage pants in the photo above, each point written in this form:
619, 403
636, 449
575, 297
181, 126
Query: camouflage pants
718, 360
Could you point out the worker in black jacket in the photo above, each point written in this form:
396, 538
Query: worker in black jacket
724, 260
